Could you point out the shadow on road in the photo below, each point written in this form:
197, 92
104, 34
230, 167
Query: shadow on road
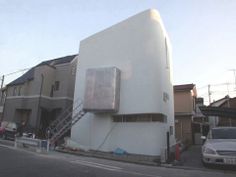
192, 157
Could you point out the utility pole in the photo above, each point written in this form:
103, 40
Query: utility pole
228, 105
3, 76
234, 70
2, 103
209, 93
2, 81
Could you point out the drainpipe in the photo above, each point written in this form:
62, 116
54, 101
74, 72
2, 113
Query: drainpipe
39, 102
168, 146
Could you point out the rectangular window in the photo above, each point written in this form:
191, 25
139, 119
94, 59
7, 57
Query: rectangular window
19, 91
14, 91
51, 92
57, 85
167, 54
140, 118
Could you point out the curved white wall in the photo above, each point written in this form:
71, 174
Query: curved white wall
137, 47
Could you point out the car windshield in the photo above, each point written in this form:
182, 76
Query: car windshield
226, 133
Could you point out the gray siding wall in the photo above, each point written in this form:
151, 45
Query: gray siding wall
71, 86
43, 75
11, 105
30, 97
64, 74
32, 104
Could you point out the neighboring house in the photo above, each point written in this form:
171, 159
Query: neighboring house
225, 102
124, 77
38, 96
184, 106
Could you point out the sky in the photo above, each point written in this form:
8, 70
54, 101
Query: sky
202, 34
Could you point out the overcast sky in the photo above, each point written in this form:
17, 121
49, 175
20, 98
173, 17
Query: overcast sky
202, 33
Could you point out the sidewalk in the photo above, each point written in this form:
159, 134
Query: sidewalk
192, 157
189, 158
7, 142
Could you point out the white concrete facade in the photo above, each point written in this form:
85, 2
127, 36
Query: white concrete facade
140, 49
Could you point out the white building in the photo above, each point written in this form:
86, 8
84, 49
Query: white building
139, 48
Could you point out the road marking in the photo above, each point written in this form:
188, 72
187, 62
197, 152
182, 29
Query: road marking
139, 174
110, 167
97, 165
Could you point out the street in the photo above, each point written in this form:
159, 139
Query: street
20, 163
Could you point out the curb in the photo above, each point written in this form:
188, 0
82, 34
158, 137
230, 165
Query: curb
198, 169
7, 143
121, 159
148, 163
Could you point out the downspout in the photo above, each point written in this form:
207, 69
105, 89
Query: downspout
39, 102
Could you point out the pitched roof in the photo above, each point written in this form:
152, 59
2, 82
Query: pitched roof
225, 102
29, 75
57, 61
184, 87
218, 111
219, 102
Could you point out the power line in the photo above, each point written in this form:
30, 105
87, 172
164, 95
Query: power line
15, 72
3, 77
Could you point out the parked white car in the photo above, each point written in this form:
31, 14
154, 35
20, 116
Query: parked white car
220, 146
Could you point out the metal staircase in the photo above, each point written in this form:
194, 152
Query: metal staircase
64, 122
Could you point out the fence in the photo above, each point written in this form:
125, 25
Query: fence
37, 144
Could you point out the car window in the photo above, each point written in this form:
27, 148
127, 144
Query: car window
11, 125
227, 133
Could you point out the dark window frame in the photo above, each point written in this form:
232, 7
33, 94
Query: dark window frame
140, 118
57, 85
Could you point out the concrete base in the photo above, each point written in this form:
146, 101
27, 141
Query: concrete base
70, 144
133, 158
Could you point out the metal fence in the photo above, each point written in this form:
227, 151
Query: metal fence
37, 144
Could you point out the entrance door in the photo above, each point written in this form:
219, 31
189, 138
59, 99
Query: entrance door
47, 116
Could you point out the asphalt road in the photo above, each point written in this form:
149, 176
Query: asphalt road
20, 163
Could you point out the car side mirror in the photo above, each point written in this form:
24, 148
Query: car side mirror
203, 137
